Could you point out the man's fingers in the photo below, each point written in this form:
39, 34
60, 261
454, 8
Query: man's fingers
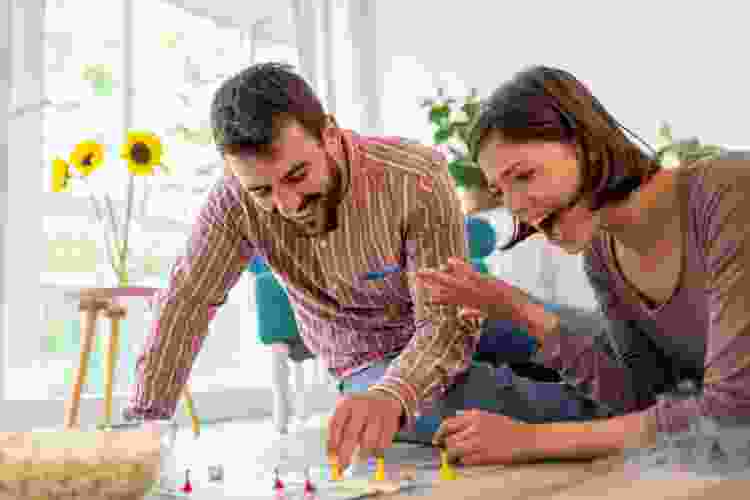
351, 438
372, 433
387, 433
336, 427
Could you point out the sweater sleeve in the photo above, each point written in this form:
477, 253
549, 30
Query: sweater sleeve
604, 353
721, 205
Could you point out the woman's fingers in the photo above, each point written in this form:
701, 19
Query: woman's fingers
462, 265
442, 279
469, 313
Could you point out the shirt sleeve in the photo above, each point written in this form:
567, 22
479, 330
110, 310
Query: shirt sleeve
443, 345
603, 353
199, 282
722, 221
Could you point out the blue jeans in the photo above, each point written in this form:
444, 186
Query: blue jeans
494, 390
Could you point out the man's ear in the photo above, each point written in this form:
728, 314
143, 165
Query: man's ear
331, 134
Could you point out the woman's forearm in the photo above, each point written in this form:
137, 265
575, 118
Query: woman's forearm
594, 439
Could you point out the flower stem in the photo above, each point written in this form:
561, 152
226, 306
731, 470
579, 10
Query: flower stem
107, 243
126, 235
113, 222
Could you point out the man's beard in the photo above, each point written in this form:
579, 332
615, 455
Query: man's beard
328, 204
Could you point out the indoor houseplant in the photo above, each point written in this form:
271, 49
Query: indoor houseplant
672, 152
451, 120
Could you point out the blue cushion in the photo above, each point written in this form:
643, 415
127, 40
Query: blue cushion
258, 265
482, 238
480, 266
275, 318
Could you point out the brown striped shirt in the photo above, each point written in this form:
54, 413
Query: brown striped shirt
399, 208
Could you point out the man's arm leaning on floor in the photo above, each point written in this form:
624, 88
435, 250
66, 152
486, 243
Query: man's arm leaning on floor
215, 257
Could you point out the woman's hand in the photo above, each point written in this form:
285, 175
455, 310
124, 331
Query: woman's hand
481, 438
458, 284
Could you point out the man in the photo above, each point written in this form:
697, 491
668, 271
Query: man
343, 221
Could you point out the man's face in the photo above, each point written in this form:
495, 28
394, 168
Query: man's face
300, 178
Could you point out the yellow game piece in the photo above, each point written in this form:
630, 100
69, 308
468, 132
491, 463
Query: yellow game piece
447, 473
335, 468
379, 469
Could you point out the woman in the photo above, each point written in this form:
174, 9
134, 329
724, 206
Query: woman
666, 252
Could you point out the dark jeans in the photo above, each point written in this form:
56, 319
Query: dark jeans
493, 389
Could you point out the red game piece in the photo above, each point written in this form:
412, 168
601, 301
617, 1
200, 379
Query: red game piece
187, 487
277, 484
309, 488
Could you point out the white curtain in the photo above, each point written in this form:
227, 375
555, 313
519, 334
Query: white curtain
337, 53
233, 13
4, 105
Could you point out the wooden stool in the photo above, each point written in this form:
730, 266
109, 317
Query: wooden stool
91, 303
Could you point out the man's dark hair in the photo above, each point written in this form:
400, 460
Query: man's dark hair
249, 109
549, 104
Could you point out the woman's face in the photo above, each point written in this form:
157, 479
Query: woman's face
537, 181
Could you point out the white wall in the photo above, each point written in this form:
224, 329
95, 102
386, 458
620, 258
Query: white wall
645, 61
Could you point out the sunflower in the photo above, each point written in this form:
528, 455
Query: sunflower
87, 156
143, 152
60, 175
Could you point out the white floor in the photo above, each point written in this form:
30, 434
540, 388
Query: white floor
249, 451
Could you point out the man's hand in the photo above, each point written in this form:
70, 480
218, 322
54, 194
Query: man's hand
369, 420
481, 438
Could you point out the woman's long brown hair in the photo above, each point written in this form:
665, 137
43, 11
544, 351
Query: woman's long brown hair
549, 104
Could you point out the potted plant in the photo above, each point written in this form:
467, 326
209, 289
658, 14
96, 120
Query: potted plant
672, 153
451, 121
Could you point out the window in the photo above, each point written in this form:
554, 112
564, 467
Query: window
176, 66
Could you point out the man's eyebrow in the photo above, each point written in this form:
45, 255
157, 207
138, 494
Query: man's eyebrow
296, 167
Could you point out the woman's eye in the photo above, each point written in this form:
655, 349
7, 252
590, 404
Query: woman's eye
525, 176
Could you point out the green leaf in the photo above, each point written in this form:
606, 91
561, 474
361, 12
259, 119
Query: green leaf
466, 174
103, 87
665, 132
439, 114
442, 135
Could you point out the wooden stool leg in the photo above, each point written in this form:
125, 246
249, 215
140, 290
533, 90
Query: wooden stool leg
89, 313
190, 407
115, 313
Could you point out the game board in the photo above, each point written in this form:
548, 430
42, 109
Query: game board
256, 480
